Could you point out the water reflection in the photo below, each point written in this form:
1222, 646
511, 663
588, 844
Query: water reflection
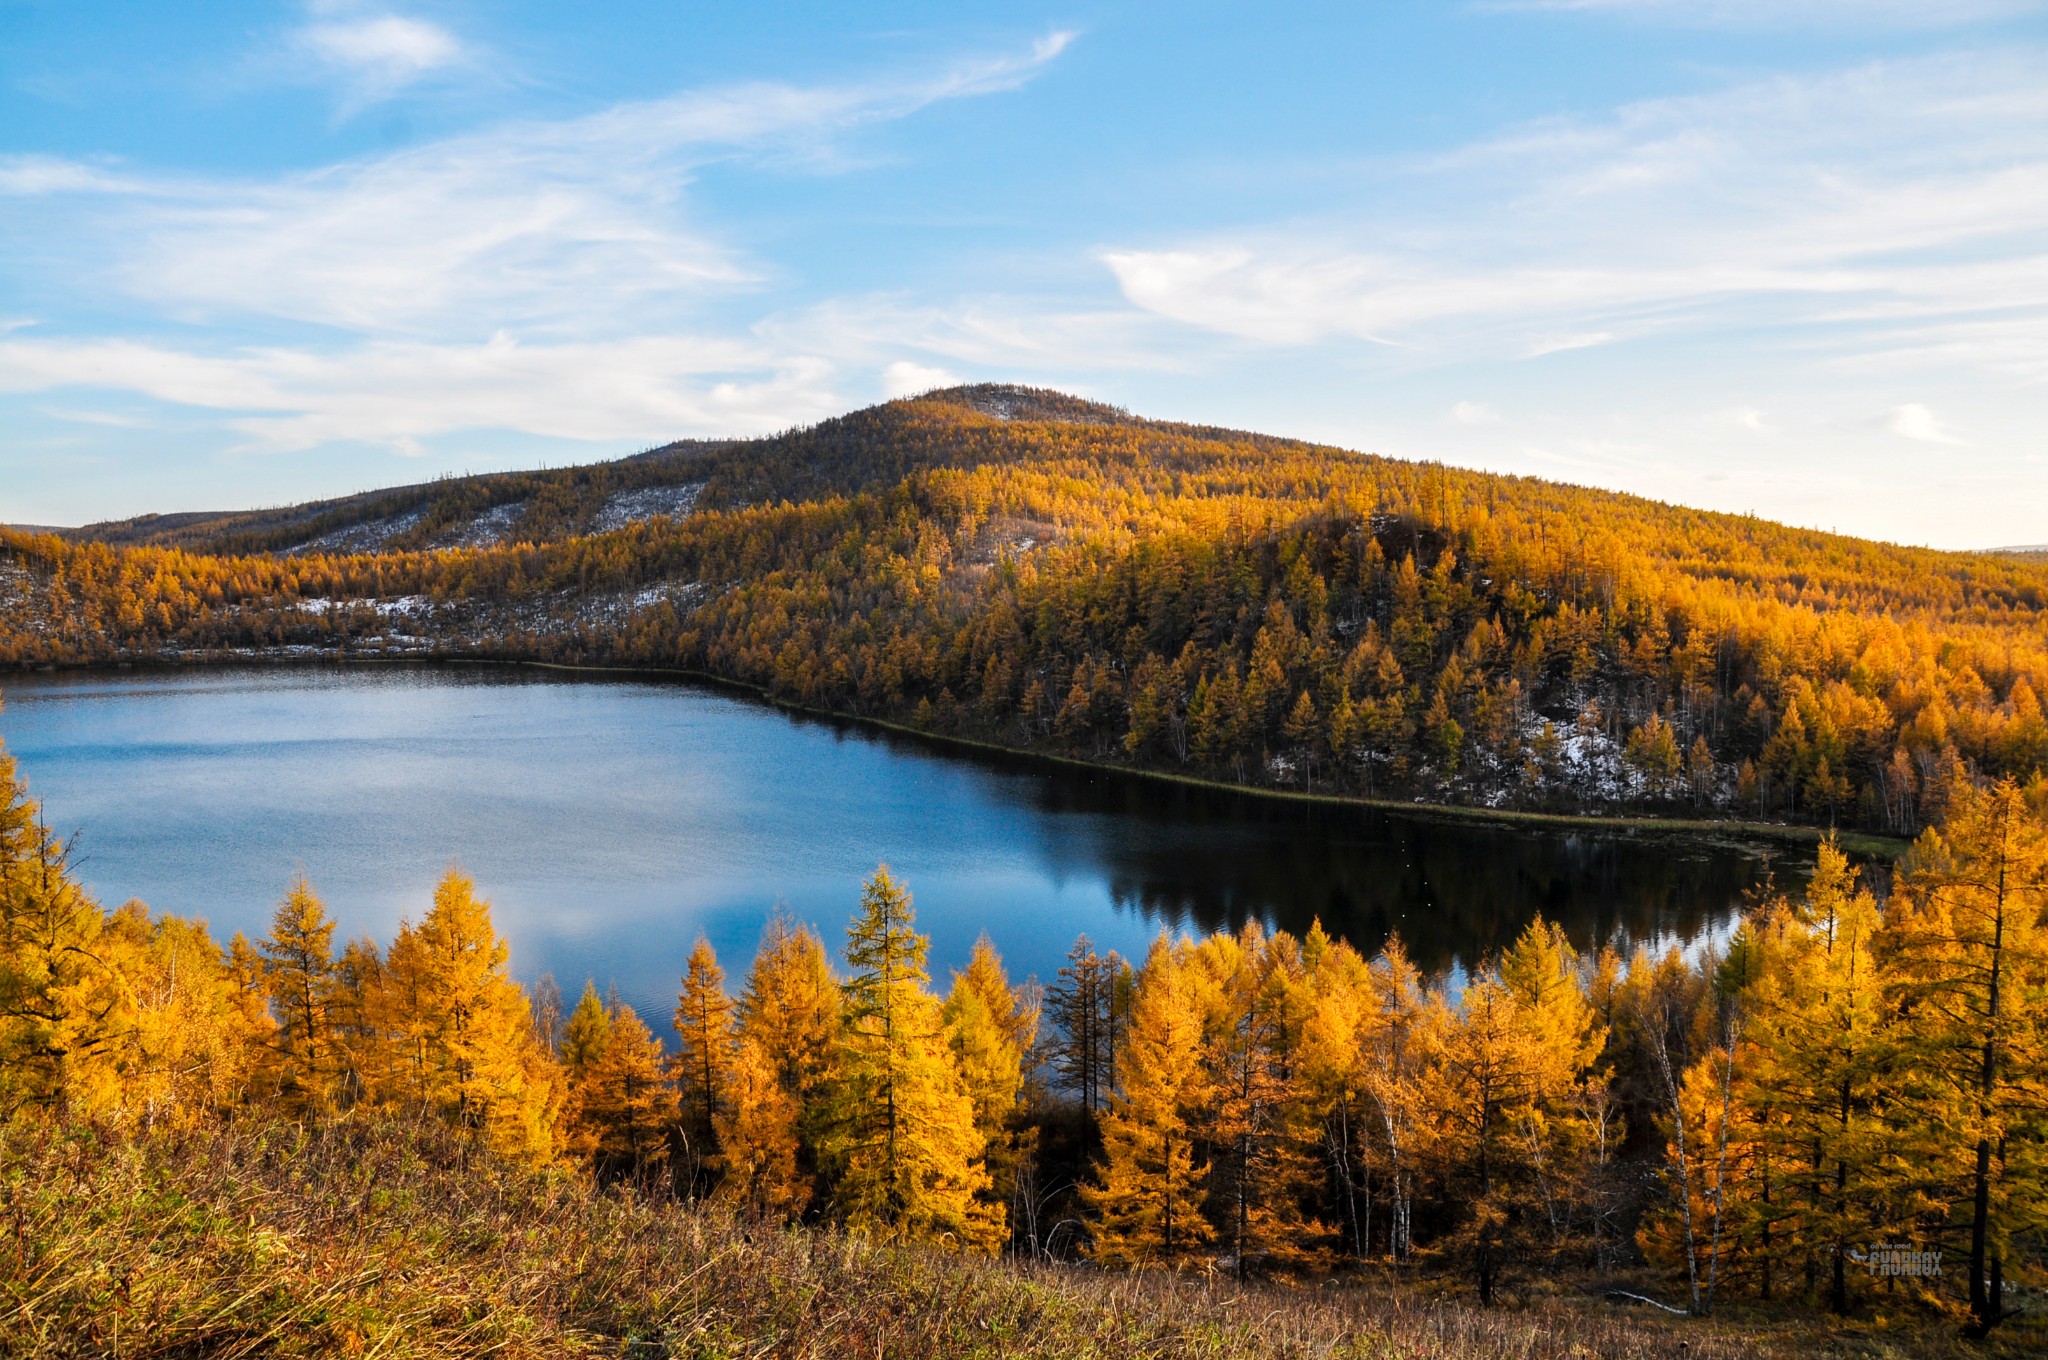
1199, 859
611, 821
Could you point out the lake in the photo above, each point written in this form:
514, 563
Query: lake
612, 820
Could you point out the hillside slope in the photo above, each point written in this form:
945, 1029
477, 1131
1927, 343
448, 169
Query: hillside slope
1026, 568
473, 511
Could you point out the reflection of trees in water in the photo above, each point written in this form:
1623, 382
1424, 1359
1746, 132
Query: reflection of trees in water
1199, 860
1203, 859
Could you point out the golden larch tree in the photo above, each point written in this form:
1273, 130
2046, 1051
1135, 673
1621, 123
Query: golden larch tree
759, 1138
902, 1146
462, 1030
585, 1032
625, 1108
1148, 1203
789, 1012
703, 1063
1972, 985
984, 1021
298, 977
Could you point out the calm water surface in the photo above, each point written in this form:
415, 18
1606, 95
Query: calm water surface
612, 821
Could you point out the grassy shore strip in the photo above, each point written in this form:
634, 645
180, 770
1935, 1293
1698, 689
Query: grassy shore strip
1859, 843
367, 1238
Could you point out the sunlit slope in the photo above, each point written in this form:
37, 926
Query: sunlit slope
1023, 567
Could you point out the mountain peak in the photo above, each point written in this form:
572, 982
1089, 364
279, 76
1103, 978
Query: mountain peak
1014, 401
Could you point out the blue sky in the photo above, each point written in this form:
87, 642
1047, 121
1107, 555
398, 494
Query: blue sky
1781, 256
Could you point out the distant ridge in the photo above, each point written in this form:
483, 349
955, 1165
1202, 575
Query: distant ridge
1027, 568
552, 504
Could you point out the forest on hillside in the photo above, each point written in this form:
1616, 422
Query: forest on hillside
1843, 1108
1026, 569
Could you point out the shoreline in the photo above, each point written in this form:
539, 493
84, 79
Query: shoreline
1863, 844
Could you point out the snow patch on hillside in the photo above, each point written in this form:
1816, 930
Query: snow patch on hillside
405, 606
488, 530
630, 507
367, 537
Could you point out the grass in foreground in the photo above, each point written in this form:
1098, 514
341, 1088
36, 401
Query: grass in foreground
377, 1241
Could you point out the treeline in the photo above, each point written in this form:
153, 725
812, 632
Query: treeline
1846, 1086
1246, 609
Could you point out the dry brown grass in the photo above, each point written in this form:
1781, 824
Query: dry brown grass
362, 1240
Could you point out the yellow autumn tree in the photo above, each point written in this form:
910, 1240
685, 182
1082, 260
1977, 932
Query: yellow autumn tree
1258, 1122
703, 1064
1657, 1015
193, 1021
59, 997
1822, 1054
759, 1138
119, 1016
1502, 1077
789, 1013
298, 978
989, 1029
352, 1016
1338, 1009
458, 1030
1399, 1120
1972, 986
585, 1033
1717, 1167
624, 1106
1147, 1205
902, 1147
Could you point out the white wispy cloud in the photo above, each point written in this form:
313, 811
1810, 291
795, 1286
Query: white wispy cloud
989, 331
906, 379
580, 223
387, 51
1859, 14
400, 392
365, 52
571, 242
1915, 421
1896, 207
36, 176
1474, 413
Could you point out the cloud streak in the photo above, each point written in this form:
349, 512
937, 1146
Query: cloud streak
569, 242
578, 224
398, 393
380, 55
1762, 14
1868, 211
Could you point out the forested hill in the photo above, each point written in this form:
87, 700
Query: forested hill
1023, 567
